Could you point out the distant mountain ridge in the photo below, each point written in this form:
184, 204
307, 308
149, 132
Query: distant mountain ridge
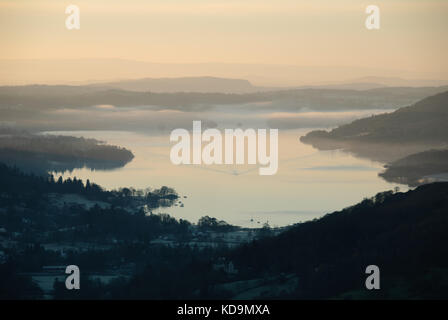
209, 84
183, 84
400, 82
85, 71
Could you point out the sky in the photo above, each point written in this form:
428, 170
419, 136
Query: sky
412, 35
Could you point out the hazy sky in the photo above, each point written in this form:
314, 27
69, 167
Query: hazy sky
293, 32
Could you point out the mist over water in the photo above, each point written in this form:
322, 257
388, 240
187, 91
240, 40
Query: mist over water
308, 184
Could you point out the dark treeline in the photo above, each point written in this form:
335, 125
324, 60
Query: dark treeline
113, 214
402, 233
210, 223
100, 239
43, 153
16, 182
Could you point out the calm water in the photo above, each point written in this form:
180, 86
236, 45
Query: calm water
308, 184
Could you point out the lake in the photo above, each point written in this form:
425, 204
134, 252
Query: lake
308, 184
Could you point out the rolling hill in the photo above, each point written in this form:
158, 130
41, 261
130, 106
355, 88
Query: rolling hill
388, 137
404, 234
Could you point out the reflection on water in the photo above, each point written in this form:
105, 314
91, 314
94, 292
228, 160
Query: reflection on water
308, 184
